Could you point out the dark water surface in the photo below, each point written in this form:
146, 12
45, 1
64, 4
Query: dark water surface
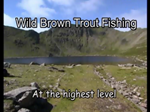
71, 60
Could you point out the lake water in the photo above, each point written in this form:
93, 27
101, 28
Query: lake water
71, 60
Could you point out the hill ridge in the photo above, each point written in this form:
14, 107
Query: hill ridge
73, 42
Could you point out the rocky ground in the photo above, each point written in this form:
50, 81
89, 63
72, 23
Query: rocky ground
128, 91
21, 81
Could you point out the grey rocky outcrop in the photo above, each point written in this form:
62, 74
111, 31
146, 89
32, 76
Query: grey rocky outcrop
16, 93
23, 100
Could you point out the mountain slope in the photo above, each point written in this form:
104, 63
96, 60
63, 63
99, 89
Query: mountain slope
74, 41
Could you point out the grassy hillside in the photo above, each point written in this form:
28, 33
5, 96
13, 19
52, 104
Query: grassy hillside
74, 41
74, 78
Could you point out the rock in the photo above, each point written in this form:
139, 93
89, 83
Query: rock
17, 107
78, 65
41, 101
123, 82
136, 101
135, 97
50, 86
26, 100
107, 82
135, 89
129, 65
33, 63
61, 70
112, 78
138, 94
57, 84
34, 84
113, 86
129, 98
43, 64
58, 80
7, 65
101, 77
143, 105
41, 105
14, 94
133, 92
144, 64
118, 87
104, 79
56, 69
123, 87
55, 87
120, 91
5, 73
120, 65
107, 107
43, 87
24, 110
119, 107
145, 101
140, 98
125, 94
69, 66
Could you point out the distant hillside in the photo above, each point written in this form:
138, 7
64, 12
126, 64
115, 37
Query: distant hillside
74, 41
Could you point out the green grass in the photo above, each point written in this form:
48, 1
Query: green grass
81, 78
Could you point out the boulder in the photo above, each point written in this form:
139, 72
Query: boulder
136, 101
26, 100
125, 94
135, 90
123, 82
41, 105
7, 65
34, 84
140, 98
129, 65
135, 97
50, 86
24, 110
78, 65
43, 64
5, 73
143, 105
17, 93
69, 66
138, 94
33, 63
